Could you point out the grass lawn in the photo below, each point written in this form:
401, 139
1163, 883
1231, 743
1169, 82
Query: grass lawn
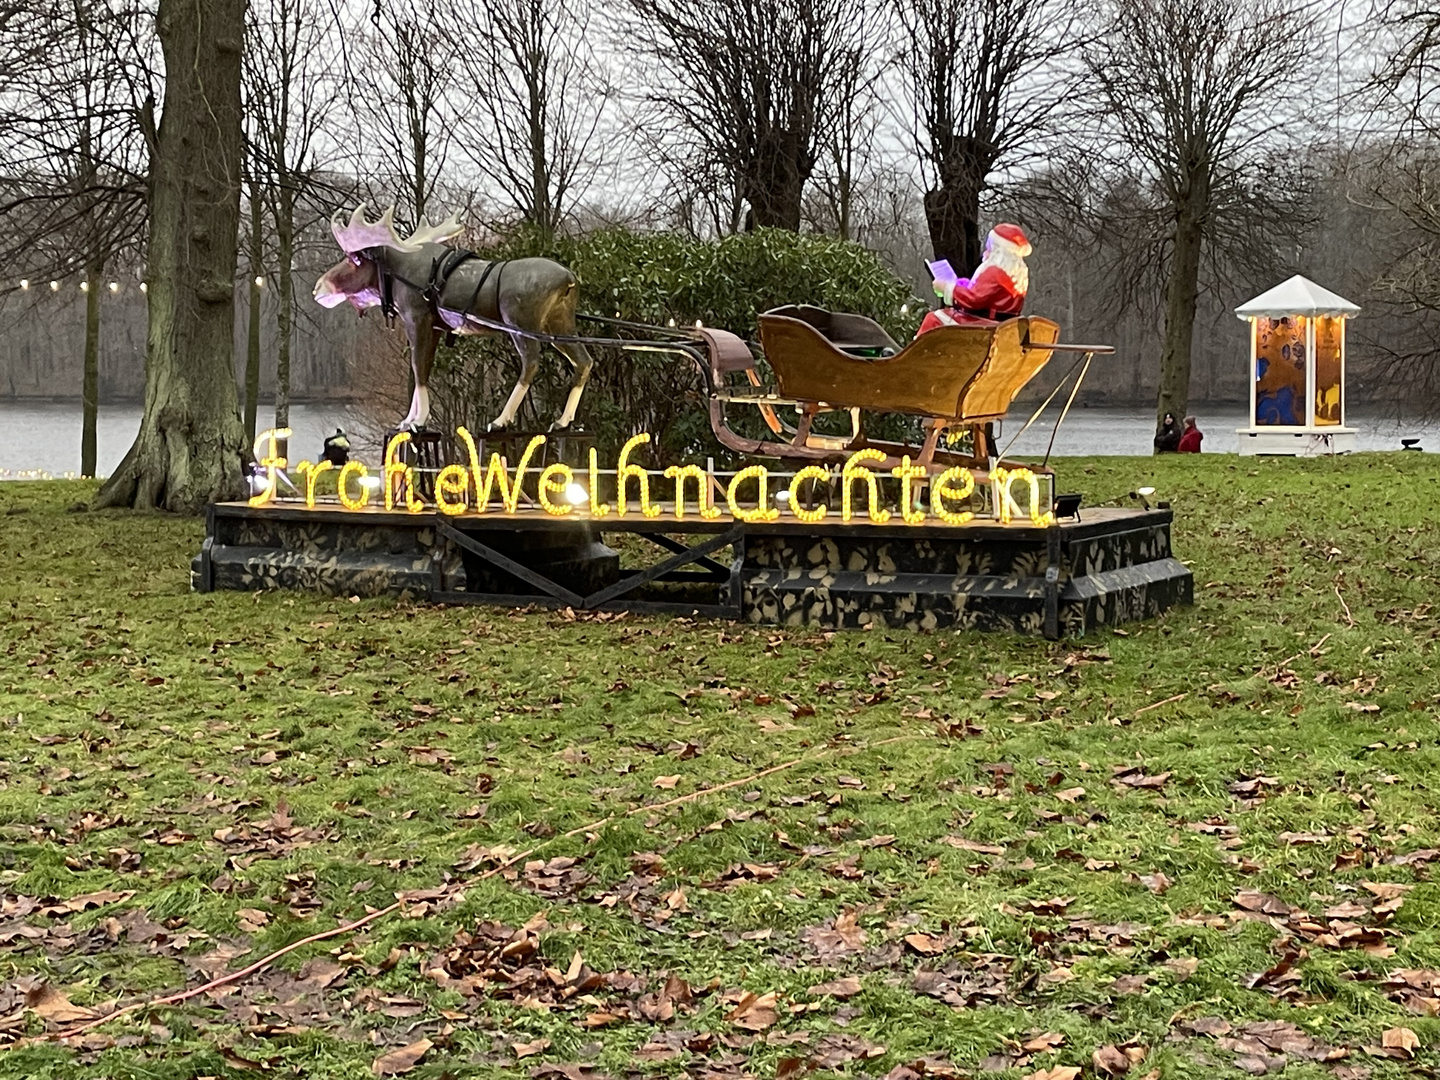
1198, 847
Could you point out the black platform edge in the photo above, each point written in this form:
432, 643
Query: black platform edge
1062, 579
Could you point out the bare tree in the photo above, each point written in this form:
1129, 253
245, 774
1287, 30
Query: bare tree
537, 100
983, 81
1394, 173
403, 99
191, 444
71, 132
1188, 96
750, 87
289, 93
849, 150
255, 258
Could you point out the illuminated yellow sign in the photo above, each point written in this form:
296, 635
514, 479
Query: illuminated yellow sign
493, 488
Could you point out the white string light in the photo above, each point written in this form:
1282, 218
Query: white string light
24, 283
259, 281
84, 286
114, 286
54, 286
144, 287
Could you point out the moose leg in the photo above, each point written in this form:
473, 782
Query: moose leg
423, 340
583, 363
529, 350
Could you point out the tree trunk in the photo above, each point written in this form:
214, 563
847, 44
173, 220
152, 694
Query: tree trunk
1180, 292
952, 210
285, 301
90, 388
252, 336
953, 216
774, 188
191, 444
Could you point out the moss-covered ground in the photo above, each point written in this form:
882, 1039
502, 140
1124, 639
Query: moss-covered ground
1199, 846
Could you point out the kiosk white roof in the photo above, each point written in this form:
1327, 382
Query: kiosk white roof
1297, 296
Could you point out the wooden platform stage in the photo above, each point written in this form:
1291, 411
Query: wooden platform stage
1110, 567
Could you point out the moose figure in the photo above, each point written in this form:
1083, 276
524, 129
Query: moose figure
435, 290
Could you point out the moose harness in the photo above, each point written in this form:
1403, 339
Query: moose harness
441, 268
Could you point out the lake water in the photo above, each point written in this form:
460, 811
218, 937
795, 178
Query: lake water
43, 439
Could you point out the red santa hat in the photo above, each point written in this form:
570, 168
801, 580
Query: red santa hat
1014, 236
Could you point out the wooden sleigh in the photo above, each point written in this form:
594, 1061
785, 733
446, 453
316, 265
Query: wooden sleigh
953, 377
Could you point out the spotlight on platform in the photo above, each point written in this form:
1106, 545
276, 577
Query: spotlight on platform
1068, 506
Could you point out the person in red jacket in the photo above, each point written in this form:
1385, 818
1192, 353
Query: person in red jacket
995, 292
1190, 441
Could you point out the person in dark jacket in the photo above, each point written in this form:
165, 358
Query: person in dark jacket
1167, 436
1190, 440
337, 449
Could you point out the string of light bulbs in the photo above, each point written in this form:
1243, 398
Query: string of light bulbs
113, 287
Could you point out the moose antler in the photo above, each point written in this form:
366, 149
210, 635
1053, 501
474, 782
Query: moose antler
436, 234
360, 234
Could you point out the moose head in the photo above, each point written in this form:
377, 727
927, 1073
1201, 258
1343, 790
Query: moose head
356, 278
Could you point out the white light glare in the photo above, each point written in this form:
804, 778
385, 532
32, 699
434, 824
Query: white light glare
576, 495
54, 286
114, 286
24, 283
84, 286
144, 287
259, 281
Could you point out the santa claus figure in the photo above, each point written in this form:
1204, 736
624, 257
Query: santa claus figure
995, 292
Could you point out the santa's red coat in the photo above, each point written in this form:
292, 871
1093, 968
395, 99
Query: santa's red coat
989, 296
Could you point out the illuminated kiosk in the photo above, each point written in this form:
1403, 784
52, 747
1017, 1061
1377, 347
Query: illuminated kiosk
1297, 371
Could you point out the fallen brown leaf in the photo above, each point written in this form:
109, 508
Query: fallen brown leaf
849, 986
524, 1050
927, 944
1041, 1044
1385, 890
48, 1003
973, 845
1157, 882
1182, 967
755, 1013
1402, 1039
252, 919
667, 782
1070, 794
1110, 1060
402, 1060
1056, 1072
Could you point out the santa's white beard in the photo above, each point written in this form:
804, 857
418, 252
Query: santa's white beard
1004, 257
